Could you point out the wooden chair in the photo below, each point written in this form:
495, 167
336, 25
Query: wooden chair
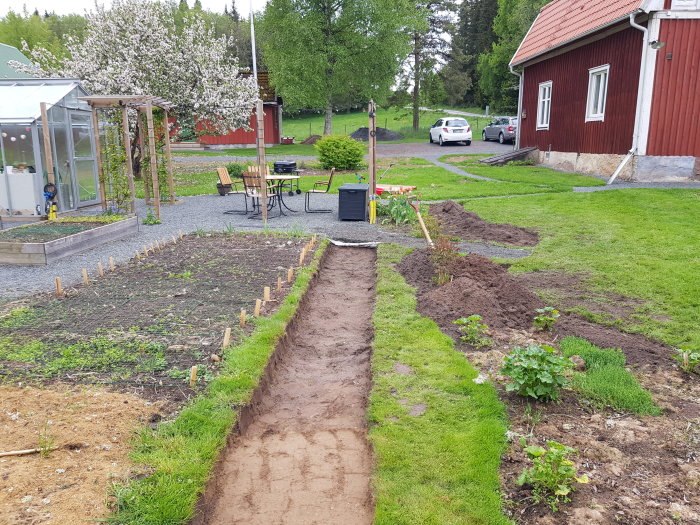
253, 190
226, 183
320, 186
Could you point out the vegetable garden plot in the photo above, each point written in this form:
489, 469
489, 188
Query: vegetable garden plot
145, 325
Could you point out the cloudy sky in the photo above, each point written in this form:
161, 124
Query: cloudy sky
63, 7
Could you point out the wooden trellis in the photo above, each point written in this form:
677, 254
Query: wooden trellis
144, 105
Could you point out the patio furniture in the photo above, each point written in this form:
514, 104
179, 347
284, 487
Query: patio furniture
253, 189
320, 186
283, 180
226, 183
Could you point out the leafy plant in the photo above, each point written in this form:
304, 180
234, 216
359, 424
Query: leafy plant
552, 475
687, 359
546, 318
473, 330
536, 371
397, 210
151, 218
341, 152
235, 170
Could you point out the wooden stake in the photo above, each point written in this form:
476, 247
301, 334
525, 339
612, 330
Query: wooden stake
174, 240
85, 276
193, 376
59, 288
180, 233
26, 451
227, 338
153, 158
258, 304
242, 321
138, 255
100, 270
151, 247
290, 275
111, 264
301, 257
145, 250
157, 245
279, 284
266, 293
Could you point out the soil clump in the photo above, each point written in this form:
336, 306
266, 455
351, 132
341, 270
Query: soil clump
382, 134
300, 453
457, 221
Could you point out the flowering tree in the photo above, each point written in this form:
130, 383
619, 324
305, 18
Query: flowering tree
135, 48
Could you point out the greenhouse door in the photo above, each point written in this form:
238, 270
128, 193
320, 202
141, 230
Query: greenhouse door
84, 166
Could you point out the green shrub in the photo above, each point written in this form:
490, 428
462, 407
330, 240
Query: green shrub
536, 371
552, 474
341, 152
235, 170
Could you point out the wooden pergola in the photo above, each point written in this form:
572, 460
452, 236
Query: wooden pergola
143, 104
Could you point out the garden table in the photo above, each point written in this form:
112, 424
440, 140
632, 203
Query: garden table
281, 179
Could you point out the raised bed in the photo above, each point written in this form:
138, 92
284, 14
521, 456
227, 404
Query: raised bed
42, 253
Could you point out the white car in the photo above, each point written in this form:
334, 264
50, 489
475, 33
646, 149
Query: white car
451, 129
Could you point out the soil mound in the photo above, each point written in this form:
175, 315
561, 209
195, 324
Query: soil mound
457, 221
311, 139
382, 134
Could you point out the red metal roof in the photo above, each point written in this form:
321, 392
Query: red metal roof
562, 21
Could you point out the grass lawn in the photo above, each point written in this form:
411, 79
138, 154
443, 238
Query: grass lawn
638, 243
440, 467
288, 149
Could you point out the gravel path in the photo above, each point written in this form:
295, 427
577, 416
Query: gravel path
206, 213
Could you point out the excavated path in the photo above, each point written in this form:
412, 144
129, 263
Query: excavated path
302, 456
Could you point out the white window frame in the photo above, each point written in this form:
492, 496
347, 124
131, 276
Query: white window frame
685, 4
597, 93
544, 104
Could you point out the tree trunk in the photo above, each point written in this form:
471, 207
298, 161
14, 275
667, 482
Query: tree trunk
327, 124
416, 81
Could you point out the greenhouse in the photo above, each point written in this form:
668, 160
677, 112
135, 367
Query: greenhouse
26, 106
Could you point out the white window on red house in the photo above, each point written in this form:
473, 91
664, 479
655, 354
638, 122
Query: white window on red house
544, 105
597, 93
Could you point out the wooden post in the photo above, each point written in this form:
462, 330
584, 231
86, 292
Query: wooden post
258, 304
372, 161
227, 338
154, 161
242, 320
290, 275
266, 293
129, 163
85, 276
48, 153
168, 158
100, 270
193, 376
279, 284
260, 142
111, 264
59, 288
142, 148
98, 148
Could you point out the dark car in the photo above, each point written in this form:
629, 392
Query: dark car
501, 129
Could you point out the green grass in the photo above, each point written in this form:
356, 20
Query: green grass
441, 467
181, 453
606, 381
289, 149
638, 243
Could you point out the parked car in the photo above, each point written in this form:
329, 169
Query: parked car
501, 129
450, 129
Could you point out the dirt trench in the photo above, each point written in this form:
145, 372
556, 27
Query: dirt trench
300, 453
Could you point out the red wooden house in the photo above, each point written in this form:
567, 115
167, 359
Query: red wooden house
607, 82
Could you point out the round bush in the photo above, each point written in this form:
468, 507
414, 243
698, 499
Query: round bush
340, 152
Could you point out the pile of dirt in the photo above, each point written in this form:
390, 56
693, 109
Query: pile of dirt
382, 134
311, 139
457, 221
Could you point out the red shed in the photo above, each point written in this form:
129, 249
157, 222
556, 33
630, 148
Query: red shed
612, 86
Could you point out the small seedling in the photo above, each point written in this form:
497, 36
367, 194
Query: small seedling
552, 475
687, 359
546, 318
473, 330
229, 229
46, 442
151, 218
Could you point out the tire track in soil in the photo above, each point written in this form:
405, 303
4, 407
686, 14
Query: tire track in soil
301, 454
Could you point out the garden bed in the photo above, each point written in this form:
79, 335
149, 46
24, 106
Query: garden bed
45, 242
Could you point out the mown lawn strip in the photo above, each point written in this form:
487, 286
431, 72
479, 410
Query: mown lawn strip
440, 467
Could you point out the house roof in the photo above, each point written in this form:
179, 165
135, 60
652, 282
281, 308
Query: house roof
8, 53
20, 99
562, 21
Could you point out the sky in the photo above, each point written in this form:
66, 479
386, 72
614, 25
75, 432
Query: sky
63, 7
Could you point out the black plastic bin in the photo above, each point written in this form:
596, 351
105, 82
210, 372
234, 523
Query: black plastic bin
352, 202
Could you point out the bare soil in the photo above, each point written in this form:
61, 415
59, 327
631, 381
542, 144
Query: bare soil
457, 221
91, 426
643, 470
47, 231
300, 454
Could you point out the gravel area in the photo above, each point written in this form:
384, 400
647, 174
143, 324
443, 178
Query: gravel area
206, 213
637, 185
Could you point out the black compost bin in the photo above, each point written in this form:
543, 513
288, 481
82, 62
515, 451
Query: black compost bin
352, 202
